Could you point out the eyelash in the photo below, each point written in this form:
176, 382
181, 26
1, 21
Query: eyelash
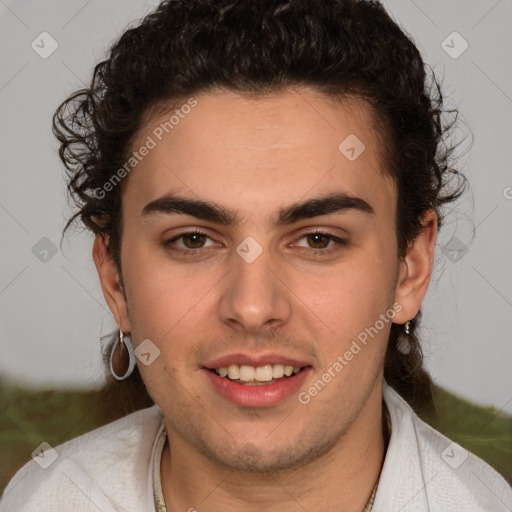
339, 243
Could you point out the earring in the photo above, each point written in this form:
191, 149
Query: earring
403, 345
122, 356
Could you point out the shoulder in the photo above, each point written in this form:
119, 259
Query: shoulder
101, 469
435, 473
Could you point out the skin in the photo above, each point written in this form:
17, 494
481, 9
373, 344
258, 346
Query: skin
254, 156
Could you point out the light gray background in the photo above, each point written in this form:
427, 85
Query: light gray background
53, 313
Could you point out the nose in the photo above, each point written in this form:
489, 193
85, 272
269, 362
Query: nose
255, 298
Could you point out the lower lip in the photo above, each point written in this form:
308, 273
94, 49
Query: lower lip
265, 395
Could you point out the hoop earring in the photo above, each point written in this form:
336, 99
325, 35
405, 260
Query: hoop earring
404, 346
122, 356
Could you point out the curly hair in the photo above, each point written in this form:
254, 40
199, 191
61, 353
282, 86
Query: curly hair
342, 48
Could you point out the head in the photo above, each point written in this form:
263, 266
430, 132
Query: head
259, 111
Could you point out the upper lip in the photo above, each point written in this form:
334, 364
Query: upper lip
254, 360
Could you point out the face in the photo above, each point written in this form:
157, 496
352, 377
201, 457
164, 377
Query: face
290, 262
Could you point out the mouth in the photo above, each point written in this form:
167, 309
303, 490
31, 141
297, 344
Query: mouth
256, 375
259, 382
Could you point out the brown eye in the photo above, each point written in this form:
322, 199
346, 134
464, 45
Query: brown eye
196, 240
318, 240
191, 242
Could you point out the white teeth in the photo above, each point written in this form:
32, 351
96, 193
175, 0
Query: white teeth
246, 373
277, 371
233, 371
263, 373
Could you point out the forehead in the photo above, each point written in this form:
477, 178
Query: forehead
252, 153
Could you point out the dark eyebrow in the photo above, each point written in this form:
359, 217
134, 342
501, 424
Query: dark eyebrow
206, 210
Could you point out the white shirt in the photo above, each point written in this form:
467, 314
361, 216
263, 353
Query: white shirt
110, 469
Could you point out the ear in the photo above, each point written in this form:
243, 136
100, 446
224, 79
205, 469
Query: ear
110, 283
415, 270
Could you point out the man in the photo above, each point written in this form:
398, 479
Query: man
264, 181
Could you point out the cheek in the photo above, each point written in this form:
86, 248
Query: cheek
355, 306
168, 299
353, 295
162, 294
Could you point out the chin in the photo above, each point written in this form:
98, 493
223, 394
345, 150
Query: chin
261, 457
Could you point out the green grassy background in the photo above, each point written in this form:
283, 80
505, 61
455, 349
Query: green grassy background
30, 417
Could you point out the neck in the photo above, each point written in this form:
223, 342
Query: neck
341, 479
